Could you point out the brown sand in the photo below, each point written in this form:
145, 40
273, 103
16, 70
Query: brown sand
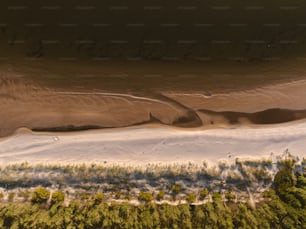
47, 105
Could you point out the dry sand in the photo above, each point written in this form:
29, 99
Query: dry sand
154, 144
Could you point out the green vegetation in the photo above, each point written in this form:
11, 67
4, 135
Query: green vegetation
230, 196
191, 197
57, 197
203, 193
216, 196
98, 198
145, 196
40, 195
160, 195
176, 189
281, 206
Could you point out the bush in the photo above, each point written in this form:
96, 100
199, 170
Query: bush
145, 196
176, 189
230, 196
203, 193
160, 195
191, 198
216, 196
57, 197
84, 196
98, 198
40, 195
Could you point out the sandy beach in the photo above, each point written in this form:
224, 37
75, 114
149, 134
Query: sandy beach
154, 144
153, 125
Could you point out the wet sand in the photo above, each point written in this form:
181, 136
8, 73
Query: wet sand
61, 104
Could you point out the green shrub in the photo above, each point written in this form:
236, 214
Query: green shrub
98, 198
176, 189
230, 196
40, 195
216, 196
203, 193
160, 195
57, 197
191, 198
145, 196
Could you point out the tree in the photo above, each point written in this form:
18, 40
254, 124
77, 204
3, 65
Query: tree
285, 177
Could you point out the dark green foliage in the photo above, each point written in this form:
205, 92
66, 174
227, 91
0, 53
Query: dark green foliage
230, 196
160, 195
216, 196
98, 198
57, 197
191, 197
301, 182
203, 193
145, 196
40, 195
176, 189
284, 178
282, 207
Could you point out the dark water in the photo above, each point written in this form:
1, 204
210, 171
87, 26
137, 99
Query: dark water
160, 45
59, 59
233, 30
